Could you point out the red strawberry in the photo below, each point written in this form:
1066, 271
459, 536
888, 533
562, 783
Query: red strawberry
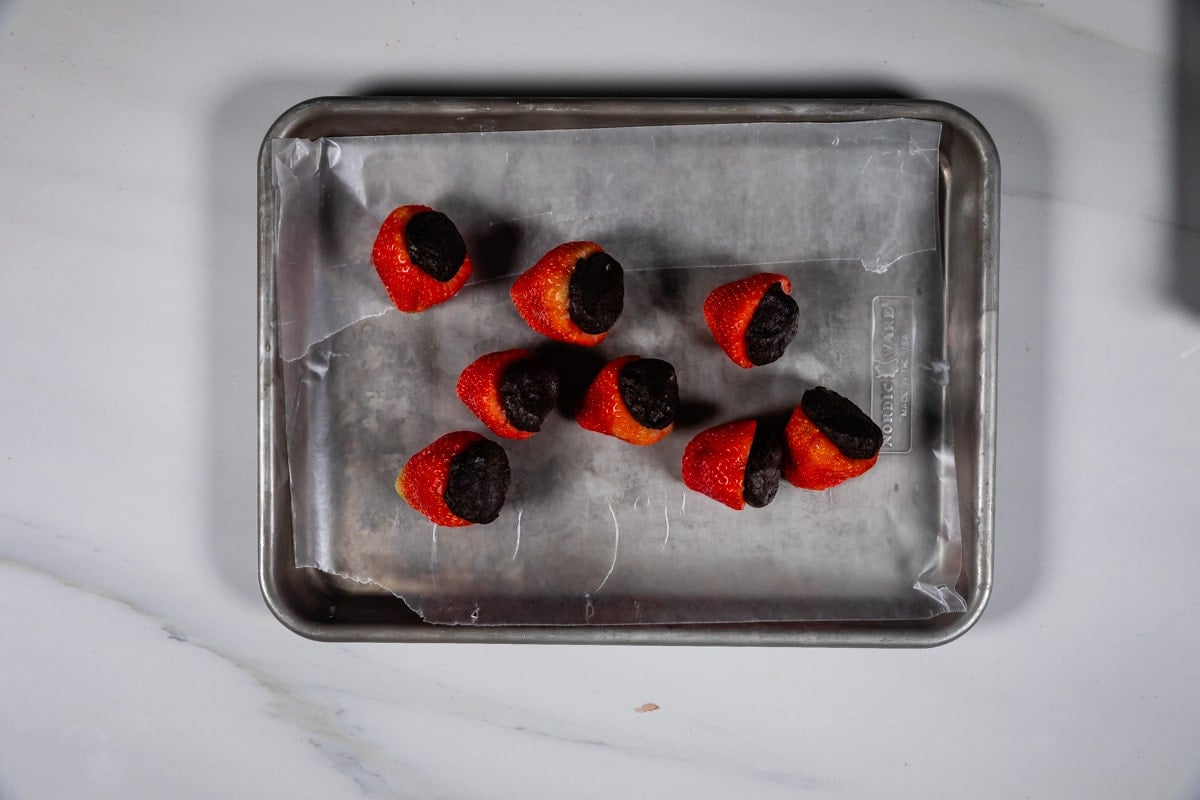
735, 463
714, 462
829, 440
511, 391
754, 319
420, 257
458, 480
573, 294
634, 399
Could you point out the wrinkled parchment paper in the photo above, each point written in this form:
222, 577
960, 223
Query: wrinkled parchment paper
596, 531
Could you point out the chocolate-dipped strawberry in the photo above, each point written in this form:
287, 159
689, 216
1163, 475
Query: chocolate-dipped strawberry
737, 463
511, 392
634, 399
754, 319
574, 294
829, 440
420, 257
458, 480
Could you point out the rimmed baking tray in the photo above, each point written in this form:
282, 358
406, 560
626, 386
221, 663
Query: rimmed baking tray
323, 606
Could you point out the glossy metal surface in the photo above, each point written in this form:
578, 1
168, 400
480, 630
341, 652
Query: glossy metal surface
324, 607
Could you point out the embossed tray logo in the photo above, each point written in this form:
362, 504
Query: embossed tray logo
891, 371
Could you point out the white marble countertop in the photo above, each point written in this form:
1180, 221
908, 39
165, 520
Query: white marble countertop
136, 655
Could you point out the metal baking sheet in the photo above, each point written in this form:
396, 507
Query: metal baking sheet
893, 382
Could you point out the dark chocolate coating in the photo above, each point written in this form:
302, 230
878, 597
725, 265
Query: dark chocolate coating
435, 245
478, 481
764, 466
772, 327
853, 433
528, 390
596, 294
650, 391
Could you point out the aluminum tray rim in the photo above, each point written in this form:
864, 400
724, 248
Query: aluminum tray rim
303, 120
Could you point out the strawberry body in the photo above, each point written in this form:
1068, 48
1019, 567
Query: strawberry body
714, 462
829, 440
573, 294
458, 480
634, 399
510, 391
753, 319
737, 463
420, 257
